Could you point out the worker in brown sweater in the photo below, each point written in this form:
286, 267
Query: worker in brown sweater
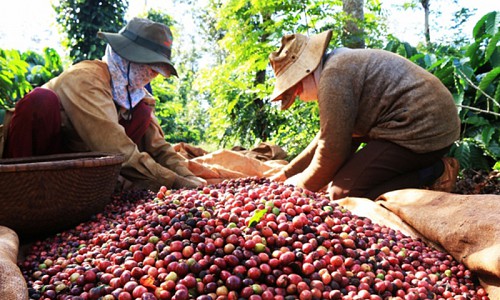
404, 116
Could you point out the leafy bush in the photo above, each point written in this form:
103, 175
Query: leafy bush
81, 20
179, 114
21, 72
13, 82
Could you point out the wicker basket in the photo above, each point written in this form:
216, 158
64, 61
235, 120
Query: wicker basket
46, 194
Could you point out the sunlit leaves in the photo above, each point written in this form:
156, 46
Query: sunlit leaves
488, 24
13, 84
486, 83
21, 72
81, 20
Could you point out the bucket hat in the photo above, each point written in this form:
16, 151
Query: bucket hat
298, 56
142, 41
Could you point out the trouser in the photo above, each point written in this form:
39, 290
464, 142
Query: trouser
382, 166
35, 128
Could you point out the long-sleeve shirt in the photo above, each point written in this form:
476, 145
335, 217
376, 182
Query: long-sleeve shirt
90, 122
374, 94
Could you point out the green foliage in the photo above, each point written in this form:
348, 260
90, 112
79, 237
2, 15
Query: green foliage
471, 155
81, 20
181, 119
479, 88
256, 217
160, 17
238, 85
296, 127
178, 108
13, 83
21, 72
44, 67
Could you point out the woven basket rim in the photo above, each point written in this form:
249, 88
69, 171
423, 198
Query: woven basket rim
61, 161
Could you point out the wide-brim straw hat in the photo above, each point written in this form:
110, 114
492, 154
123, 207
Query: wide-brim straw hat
298, 56
143, 41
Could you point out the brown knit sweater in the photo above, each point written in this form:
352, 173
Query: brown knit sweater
378, 95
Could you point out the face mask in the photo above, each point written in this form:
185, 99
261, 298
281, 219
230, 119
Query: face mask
126, 91
309, 89
310, 86
140, 75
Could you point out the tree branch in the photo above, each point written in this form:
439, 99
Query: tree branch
479, 110
477, 88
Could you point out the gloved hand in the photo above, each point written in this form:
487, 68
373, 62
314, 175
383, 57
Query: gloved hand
189, 182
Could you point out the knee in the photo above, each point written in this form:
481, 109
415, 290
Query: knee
41, 95
39, 100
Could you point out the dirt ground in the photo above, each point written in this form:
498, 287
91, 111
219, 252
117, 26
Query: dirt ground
478, 182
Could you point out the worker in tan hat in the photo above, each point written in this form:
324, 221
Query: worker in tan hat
103, 106
404, 116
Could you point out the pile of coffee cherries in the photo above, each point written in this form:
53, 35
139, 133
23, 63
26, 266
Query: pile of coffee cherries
241, 239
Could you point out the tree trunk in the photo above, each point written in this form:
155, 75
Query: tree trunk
353, 36
426, 5
261, 121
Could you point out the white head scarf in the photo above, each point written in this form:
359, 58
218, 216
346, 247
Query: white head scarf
128, 79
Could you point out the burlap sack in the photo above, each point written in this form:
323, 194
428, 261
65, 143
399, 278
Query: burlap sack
227, 164
12, 283
264, 151
378, 214
466, 226
189, 151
